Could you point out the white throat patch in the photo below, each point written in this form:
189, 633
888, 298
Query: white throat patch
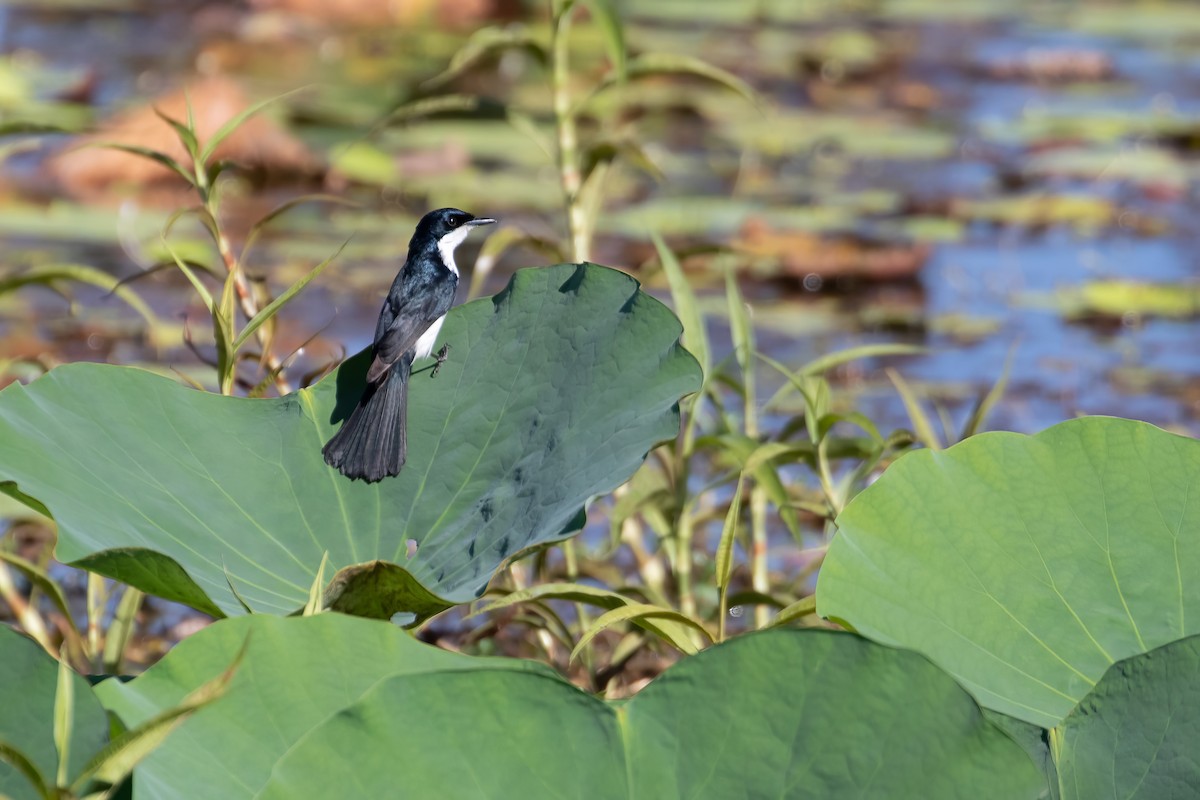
450, 241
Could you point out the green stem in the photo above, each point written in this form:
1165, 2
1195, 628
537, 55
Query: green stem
759, 577
683, 563
568, 137
120, 632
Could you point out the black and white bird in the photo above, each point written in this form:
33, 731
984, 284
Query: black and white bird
373, 443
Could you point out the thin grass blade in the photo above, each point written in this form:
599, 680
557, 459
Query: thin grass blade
120, 632
185, 132
804, 607
984, 407
316, 592
153, 155
64, 717
235, 122
279, 302
922, 424
604, 14
118, 758
639, 614
695, 334
10, 755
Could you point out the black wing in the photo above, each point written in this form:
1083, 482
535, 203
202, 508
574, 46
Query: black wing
415, 302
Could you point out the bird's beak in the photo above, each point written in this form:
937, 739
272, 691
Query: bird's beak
481, 221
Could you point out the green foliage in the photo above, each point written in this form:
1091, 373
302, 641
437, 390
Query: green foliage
27, 724
202, 172
554, 392
1135, 734
388, 712
55, 736
1025, 565
584, 157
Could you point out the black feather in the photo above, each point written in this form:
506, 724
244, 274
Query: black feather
373, 443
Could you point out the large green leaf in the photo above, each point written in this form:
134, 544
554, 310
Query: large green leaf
1026, 565
554, 391
296, 672
28, 682
1137, 735
335, 706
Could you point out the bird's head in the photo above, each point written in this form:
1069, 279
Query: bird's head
446, 228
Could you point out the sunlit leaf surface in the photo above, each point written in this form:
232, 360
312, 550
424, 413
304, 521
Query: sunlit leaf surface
553, 393
1026, 565
817, 713
27, 688
1135, 735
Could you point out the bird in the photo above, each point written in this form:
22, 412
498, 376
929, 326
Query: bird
372, 443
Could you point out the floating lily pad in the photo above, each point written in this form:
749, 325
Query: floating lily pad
1115, 299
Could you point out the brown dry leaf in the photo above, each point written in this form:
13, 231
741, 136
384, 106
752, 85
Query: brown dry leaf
259, 143
803, 254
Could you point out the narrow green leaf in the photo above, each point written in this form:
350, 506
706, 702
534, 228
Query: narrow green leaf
651, 64
272, 308
724, 560
804, 607
739, 321
120, 631
97, 600
283, 208
526, 124
695, 334
582, 593
817, 397
48, 274
22, 764
425, 107
316, 593
829, 361
159, 267
504, 238
638, 614
856, 418
749, 597
772, 450
64, 718
984, 407
118, 758
920, 420
574, 592
197, 284
484, 43
153, 155
604, 14
233, 124
185, 132
767, 478
236, 594
39, 578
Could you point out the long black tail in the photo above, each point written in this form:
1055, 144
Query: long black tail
373, 442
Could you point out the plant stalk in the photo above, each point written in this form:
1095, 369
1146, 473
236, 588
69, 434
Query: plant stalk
248, 305
568, 136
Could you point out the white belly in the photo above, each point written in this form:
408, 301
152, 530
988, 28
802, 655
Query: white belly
429, 338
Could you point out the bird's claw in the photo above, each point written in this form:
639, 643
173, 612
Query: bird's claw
441, 359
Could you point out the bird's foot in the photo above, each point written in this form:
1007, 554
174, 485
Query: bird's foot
441, 359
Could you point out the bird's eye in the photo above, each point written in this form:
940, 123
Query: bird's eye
453, 222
